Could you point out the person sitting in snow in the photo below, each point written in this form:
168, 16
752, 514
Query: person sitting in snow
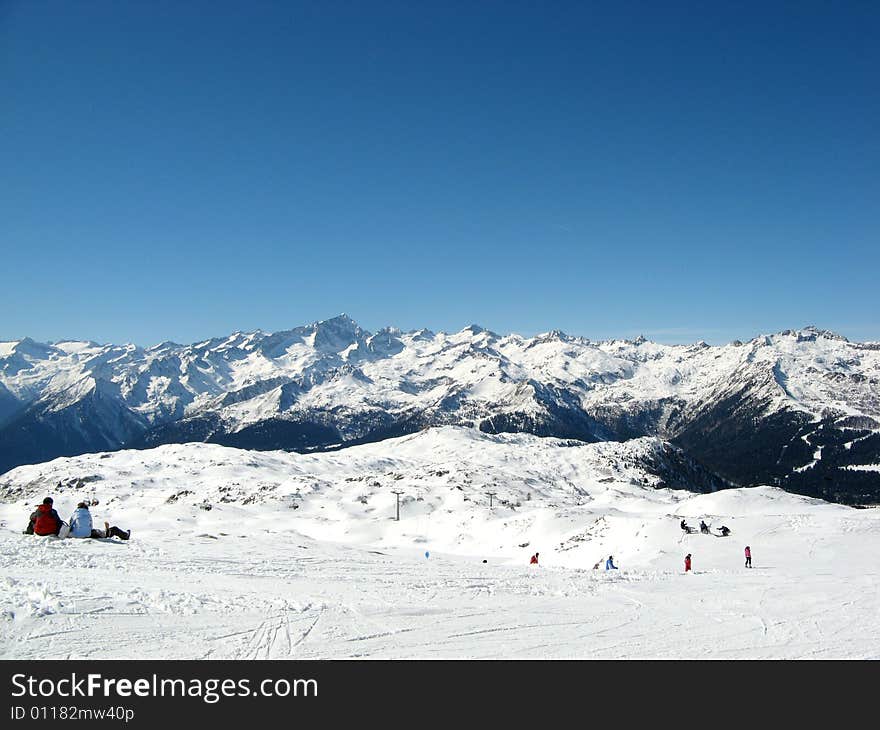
609, 564
44, 520
81, 526
534, 560
81, 521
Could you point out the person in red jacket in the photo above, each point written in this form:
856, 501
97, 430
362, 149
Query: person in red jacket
748, 557
44, 520
534, 560
687, 562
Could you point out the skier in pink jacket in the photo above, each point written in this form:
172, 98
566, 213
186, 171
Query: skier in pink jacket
748, 557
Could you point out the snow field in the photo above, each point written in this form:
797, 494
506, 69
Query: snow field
299, 556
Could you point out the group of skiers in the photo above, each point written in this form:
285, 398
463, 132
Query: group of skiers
46, 521
688, 560
704, 528
609, 564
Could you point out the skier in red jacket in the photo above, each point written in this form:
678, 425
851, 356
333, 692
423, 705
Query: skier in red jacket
44, 520
534, 560
687, 562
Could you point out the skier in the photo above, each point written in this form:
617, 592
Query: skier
609, 564
534, 560
44, 520
81, 526
687, 562
81, 521
748, 557
704, 528
725, 531
110, 532
683, 525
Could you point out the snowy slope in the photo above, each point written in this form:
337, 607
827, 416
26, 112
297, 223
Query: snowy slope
444, 473
300, 556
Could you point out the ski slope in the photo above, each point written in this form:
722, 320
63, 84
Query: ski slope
299, 556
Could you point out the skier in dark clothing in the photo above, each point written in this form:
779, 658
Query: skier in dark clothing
725, 531
683, 525
44, 520
704, 528
111, 532
609, 564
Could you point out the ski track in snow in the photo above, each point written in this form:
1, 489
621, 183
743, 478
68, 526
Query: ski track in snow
348, 604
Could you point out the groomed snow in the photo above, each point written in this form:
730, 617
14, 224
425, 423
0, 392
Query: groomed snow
300, 557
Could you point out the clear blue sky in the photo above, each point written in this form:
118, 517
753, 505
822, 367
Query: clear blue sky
180, 169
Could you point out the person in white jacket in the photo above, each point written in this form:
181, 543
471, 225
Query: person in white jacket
80, 522
81, 525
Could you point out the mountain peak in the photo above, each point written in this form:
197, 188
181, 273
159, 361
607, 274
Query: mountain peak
475, 329
337, 333
32, 348
422, 335
553, 335
165, 345
340, 320
811, 332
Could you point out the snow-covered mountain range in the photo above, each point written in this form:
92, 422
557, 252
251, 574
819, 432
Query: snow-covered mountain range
799, 409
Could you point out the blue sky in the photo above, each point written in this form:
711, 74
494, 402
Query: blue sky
177, 170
